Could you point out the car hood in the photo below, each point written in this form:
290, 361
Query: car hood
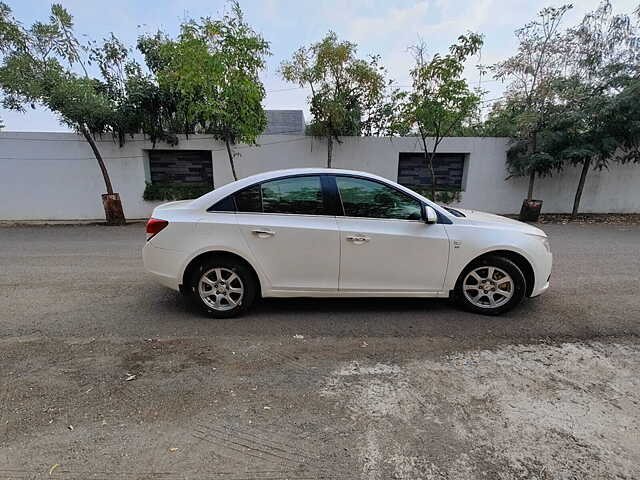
490, 219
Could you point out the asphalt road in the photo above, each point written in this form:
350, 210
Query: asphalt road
89, 281
106, 375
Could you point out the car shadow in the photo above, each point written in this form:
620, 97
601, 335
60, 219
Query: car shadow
350, 305
541, 319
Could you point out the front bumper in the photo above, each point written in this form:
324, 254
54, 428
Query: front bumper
540, 290
542, 272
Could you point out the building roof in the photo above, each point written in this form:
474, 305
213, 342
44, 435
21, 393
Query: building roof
284, 122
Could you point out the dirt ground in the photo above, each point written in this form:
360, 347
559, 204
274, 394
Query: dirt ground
105, 375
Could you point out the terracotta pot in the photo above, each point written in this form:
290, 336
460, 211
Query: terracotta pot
113, 209
530, 211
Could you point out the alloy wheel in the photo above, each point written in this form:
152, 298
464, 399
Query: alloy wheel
488, 287
221, 289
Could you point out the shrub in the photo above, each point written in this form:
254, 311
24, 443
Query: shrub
447, 196
175, 191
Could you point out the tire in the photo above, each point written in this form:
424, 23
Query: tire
494, 294
225, 301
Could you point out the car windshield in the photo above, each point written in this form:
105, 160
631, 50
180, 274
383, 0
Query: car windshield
453, 211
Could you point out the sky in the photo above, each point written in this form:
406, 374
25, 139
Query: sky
386, 28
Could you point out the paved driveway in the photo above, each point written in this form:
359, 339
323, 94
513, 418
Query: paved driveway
107, 375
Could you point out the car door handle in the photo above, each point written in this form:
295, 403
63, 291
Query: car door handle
358, 238
260, 233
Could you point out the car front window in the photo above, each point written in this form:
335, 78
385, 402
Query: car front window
366, 198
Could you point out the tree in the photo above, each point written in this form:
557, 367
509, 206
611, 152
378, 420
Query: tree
440, 100
597, 93
347, 93
37, 67
539, 61
214, 67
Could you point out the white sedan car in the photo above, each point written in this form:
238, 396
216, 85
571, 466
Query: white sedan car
339, 233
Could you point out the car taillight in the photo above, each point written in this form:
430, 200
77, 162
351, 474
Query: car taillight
154, 225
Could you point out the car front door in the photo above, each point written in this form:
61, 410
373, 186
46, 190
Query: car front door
292, 232
385, 244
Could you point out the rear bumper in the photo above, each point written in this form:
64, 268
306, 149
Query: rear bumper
163, 265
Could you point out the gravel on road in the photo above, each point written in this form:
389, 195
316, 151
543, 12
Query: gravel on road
106, 375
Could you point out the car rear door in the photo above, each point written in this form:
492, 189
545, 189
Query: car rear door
292, 232
386, 246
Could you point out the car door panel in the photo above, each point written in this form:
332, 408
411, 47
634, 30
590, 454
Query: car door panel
392, 255
296, 252
286, 225
385, 244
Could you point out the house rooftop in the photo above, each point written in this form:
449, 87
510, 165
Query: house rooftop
284, 122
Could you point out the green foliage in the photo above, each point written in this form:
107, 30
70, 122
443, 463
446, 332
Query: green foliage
347, 93
521, 162
37, 68
501, 121
532, 71
174, 191
212, 72
592, 123
624, 122
440, 99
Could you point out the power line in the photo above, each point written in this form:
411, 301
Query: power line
286, 89
68, 158
298, 139
392, 85
240, 146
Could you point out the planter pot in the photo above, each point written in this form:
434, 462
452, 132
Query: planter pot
530, 211
113, 209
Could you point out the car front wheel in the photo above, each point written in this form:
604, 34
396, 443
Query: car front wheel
223, 288
491, 286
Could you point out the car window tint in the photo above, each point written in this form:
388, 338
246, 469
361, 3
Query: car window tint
224, 205
364, 198
248, 200
296, 195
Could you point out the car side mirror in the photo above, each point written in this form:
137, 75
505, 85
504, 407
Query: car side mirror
429, 214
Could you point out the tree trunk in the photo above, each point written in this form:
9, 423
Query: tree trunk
96, 153
329, 150
583, 177
532, 178
111, 202
531, 149
429, 161
233, 166
433, 177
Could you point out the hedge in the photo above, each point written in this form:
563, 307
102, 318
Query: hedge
444, 195
175, 191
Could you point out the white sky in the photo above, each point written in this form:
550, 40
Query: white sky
379, 27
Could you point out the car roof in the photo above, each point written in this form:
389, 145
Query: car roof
219, 193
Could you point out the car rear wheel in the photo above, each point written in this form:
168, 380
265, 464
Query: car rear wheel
491, 286
223, 288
